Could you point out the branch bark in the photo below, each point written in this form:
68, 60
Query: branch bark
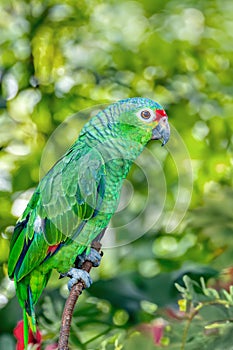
75, 292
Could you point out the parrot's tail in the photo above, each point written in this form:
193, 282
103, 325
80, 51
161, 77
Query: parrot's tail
29, 317
28, 291
30, 312
25, 329
29, 326
24, 294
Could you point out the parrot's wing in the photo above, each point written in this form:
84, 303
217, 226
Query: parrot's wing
69, 195
72, 195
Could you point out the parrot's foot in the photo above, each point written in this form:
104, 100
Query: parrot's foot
77, 275
94, 257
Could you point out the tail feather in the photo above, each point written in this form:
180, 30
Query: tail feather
26, 338
29, 318
25, 329
31, 312
24, 294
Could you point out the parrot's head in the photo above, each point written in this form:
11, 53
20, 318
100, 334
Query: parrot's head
145, 119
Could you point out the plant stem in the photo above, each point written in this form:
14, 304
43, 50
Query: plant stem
75, 292
195, 312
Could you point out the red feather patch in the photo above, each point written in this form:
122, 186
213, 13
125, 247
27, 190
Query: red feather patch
160, 113
52, 248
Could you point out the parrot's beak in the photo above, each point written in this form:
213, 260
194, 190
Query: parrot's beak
161, 131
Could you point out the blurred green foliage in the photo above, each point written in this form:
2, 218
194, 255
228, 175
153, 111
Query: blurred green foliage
58, 58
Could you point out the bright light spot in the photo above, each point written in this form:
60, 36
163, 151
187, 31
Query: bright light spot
120, 317
21, 202
169, 244
104, 306
189, 25
151, 72
169, 247
211, 186
10, 86
60, 12
164, 246
61, 71
220, 168
24, 103
18, 207
22, 48
65, 83
5, 181
148, 307
200, 130
117, 25
18, 149
3, 300
149, 268
207, 110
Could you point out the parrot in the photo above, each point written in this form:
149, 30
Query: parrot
74, 202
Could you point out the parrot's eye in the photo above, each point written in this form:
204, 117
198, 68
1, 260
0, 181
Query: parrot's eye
145, 114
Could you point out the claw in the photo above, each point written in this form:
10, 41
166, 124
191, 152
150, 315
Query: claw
77, 275
94, 257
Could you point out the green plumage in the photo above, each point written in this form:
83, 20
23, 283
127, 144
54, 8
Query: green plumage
76, 199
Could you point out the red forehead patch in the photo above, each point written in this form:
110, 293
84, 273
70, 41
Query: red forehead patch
160, 113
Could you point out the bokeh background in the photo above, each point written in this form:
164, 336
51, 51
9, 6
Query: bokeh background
58, 58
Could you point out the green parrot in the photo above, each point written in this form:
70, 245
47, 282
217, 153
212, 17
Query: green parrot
76, 199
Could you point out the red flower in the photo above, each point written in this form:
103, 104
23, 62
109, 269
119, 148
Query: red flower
156, 329
32, 339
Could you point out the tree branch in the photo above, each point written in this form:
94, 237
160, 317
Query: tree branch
75, 292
